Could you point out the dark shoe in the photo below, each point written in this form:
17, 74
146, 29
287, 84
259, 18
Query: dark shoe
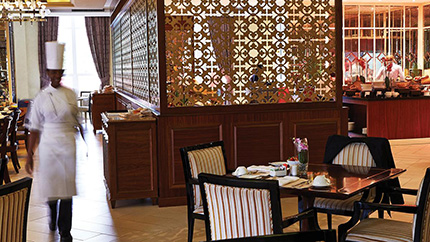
67, 238
52, 226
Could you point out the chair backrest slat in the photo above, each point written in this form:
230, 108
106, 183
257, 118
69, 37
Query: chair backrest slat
355, 154
208, 158
14, 203
237, 208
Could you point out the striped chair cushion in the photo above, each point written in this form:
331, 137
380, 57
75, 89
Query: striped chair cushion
355, 154
343, 205
337, 204
209, 160
236, 212
12, 211
375, 229
358, 157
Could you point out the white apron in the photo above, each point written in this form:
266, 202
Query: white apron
54, 115
57, 161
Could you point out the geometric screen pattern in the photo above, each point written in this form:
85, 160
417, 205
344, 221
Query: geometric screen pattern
135, 52
229, 52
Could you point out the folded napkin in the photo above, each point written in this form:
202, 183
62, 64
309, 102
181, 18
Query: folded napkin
255, 168
287, 179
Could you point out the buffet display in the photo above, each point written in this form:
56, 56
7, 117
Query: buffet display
410, 87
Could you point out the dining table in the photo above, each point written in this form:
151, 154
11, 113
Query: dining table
345, 182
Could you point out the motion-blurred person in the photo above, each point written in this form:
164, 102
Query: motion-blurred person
391, 70
53, 120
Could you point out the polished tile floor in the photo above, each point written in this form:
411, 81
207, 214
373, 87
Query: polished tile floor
138, 220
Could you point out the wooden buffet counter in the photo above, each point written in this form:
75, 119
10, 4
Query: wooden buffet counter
129, 157
392, 118
101, 102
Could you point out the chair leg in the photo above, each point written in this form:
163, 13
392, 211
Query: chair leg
6, 176
15, 161
190, 228
329, 221
380, 213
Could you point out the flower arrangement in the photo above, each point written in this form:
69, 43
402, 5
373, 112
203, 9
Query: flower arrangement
302, 149
302, 153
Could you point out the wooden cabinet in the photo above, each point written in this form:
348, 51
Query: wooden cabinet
130, 158
101, 103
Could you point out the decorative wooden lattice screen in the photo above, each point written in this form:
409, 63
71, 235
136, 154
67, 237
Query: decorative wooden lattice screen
135, 52
225, 52
241, 52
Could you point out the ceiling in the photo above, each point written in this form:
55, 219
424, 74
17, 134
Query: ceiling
79, 4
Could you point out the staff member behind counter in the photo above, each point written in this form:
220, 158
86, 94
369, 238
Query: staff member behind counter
390, 69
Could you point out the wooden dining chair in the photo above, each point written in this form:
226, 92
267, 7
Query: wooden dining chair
378, 229
4, 137
14, 203
84, 104
239, 208
12, 144
357, 157
208, 158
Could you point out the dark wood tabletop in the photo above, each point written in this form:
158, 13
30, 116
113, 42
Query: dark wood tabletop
346, 181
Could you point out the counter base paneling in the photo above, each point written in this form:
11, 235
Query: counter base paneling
396, 118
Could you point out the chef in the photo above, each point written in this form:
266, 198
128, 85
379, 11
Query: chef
53, 121
390, 70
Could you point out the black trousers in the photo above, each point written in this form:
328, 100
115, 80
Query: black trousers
64, 215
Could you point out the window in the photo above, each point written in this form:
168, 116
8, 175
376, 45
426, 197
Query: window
80, 71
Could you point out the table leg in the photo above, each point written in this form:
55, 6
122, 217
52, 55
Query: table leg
304, 203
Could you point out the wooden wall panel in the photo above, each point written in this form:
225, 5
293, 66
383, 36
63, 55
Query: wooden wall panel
137, 174
257, 143
173, 134
317, 132
250, 138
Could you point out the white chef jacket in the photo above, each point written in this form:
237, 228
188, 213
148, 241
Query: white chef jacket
396, 72
54, 114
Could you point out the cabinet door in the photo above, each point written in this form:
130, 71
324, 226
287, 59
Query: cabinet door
136, 171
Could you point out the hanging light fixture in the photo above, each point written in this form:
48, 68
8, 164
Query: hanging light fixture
23, 10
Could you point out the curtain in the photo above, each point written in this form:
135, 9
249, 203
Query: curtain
221, 34
99, 39
48, 31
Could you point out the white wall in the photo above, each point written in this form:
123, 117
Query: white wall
26, 60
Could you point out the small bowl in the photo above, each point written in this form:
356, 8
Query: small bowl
396, 94
388, 94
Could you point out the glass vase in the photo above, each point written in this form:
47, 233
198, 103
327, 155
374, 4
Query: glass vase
303, 157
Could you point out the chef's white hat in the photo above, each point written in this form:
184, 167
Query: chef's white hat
54, 55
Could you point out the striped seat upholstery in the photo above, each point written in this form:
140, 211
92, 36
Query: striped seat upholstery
13, 210
327, 203
236, 212
376, 229
357, 158
209, 160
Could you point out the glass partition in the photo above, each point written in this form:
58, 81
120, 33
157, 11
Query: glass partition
427, 37
384, 30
